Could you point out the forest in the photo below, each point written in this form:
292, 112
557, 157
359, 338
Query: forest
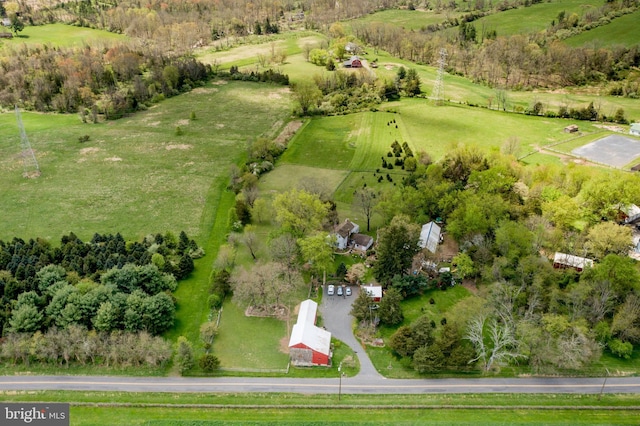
103, 286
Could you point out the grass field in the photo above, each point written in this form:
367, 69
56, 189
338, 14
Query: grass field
534, 18
219, 408
64, 36
134, 175
621, 31
408, 19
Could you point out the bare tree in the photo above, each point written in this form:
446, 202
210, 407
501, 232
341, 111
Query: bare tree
250, 239
499, 345
365, 200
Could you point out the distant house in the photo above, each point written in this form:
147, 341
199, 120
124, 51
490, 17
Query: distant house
630, 213
344, 232
565, 261
634, 129
6, 22
373, 291
309, 345
571, 129
430, 236
351, 48
353, 62
361, 242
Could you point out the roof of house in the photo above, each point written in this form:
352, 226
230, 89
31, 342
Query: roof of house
635, 126
351, 60
346, 228
307, 311
315, 338
429, 236
362, 239
572, 261
374, 291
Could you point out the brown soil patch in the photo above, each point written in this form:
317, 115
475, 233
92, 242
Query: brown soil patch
183, 122
154, 124
470, 285
113, 159
447, 249
219, 126
220, 82
179, 146
204, 90
90, 150
284, 345
287, 133
279, 312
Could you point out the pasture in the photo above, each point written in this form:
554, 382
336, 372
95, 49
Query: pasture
62, 35
135, 175
408, 19
623, 31
532, 19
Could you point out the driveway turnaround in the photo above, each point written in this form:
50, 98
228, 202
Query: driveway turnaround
337, 319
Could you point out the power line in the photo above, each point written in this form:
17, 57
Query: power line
437, 96
31, 168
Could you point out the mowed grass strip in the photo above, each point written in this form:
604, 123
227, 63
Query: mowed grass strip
82, 416
408, 19
324, 142
136, 175
62, 35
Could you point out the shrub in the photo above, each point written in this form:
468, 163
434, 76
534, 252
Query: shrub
83, 138
209, 362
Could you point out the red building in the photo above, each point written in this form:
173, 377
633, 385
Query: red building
309, 345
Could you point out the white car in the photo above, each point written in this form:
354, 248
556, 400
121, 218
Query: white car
348, 291
330, 290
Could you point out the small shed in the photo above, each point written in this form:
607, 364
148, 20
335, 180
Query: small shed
634, 129
571, 129
630, 213
353, 62
5, 35
429, 236
564, 261
6, 22
373, 291
361, 242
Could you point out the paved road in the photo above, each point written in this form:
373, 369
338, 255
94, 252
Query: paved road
351, 385
336, 318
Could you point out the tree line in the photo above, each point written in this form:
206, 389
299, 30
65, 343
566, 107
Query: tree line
517, 61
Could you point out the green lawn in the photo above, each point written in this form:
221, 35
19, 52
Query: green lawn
250, 343
64, 36
621, 31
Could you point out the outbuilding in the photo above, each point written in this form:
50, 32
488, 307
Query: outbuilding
429, 236
634, 129
353, 62
373, 291
565, 261
309, 345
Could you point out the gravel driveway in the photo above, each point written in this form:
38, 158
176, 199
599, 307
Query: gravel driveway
335, 315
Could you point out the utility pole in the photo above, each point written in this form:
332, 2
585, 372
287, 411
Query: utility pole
31, 168
437, 96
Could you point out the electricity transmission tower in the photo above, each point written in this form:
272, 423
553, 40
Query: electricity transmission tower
437, 96
31, 168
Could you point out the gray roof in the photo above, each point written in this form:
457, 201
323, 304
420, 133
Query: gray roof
429, 236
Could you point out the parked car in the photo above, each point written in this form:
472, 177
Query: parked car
348, 291
339, 291
330, 290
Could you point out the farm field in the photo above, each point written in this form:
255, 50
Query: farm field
64, 36
621, 31
135, 175
534, 18
409, 19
